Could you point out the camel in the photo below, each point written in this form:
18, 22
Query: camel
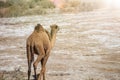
40, 42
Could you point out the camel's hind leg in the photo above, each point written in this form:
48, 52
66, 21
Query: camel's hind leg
41, 54
29, 69
43, 69
29, 58
43, 63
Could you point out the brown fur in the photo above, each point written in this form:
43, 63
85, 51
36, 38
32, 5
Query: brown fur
54, 30
39, 42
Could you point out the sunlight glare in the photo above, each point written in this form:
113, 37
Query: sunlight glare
112, 3
117, 3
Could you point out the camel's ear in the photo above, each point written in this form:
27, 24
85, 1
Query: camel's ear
56, 26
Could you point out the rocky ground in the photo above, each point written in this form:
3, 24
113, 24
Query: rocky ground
87, 46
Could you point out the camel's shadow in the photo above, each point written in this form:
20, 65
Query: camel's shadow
34, 77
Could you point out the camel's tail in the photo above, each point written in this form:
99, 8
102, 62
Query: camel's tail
30, 59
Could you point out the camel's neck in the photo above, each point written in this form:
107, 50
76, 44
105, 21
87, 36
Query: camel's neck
53, 38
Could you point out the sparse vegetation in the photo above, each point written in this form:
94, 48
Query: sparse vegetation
92, 79
14, 8
12, 75
78, 6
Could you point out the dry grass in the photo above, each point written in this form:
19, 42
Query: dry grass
12, 75
24, 7
14, 8
78, 6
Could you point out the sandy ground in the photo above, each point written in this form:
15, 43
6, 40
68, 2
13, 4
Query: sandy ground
87, 46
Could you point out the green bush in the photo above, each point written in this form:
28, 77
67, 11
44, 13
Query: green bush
21, 3
15, 11
32, 4
16, 8
23, 7
35, 11
4, 5
46, 4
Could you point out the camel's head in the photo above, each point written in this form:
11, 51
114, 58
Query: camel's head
54, 27
39, 27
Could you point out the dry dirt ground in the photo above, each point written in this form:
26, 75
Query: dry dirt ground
87, 46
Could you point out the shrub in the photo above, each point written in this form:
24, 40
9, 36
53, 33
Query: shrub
45, 4
77, 6
32, 4
25, 7
4, 5
35, 11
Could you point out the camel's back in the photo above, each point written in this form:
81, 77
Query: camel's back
43, 37
40, 39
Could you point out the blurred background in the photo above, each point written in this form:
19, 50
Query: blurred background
14, 8
87, 45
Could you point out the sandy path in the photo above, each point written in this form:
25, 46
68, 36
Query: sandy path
87, 46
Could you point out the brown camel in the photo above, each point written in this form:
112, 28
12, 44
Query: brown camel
40, 42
